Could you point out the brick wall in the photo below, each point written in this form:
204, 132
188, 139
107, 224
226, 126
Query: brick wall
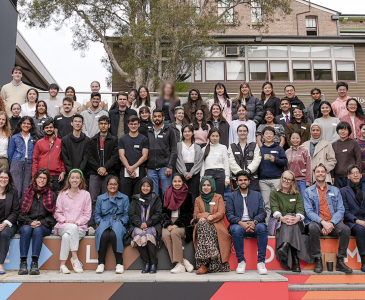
352, 24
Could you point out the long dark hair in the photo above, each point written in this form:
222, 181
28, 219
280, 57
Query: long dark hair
32, 131
32, 89
10, 186
191, 129
359, 112
143, 109
265, 113
220, 118
225, 95
36, 108
204, 120
71, 88
263, 95
304, 117
45, 172
207, 148
199, 101
139, 99
320, 115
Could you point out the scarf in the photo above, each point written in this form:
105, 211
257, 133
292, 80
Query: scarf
313, 141
357, 188
29, 197
175, 198
207, 197
146, 197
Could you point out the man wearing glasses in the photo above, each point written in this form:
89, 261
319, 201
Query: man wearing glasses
339, 106
324, 211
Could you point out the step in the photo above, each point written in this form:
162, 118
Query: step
327, 287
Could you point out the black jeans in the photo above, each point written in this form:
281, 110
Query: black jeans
359, 232
219, 176
341, 230
57, 186
131, 186
193, 183
109, 236
5, 236
148, 253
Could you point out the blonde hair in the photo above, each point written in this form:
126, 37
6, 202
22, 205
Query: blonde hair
7, 124
82, 185
294, 185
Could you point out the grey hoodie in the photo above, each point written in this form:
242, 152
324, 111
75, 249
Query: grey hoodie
91, 120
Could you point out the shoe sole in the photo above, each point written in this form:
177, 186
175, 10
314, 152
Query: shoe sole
262, 273
191, 270
240, 272
178, 272
118, 272
34, 273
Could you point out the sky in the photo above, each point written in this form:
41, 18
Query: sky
68, 67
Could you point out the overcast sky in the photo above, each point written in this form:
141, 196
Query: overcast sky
69, 68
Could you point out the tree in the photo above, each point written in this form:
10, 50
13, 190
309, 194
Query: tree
146, 30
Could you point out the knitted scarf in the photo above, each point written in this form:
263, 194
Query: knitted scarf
357, 188
175, 198
29, 197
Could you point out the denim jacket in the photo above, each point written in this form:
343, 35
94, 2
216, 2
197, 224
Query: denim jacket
311, 204
16, 150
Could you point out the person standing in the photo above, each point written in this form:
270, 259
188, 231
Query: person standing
355, 117
201, 128
361, 142
339, 106
178, 123
28, 108
162, 153
270, 122
284, 118
324, 211
145, 121
269, 99
76, 108
216, 120
167, 102
95, 88
4, 140
15, 118
40, 117
133, 152
47, 155
246, 215
289, 91
242, 119
16, 90
143, 99
63, 122
52, 102
328, 121
299, 124
194, 102
221, 97
314, 108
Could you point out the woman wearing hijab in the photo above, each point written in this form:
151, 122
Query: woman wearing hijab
212, 241
177, 213
321, 151
145, 214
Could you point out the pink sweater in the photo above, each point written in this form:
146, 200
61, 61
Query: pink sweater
201, 136
77, 209
358, 122
339, 108
299, 162
227, 111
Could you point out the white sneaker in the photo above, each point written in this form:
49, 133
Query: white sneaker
77, 266
100, 268
64, 270
241, 268
91, 231
179, 268
188, 266
261, 268
119, 269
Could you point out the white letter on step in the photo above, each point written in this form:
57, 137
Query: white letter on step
88, 259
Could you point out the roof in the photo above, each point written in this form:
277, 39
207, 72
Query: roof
326, 9
289, 39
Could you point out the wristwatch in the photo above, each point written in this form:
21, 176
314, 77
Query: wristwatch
255, 222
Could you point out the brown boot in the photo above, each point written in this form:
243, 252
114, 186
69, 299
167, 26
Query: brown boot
202, 270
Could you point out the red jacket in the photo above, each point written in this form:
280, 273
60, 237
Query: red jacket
48, 156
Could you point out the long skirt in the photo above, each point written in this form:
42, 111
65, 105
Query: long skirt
293, 235
207, 250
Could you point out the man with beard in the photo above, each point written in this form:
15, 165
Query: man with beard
63, 122
47, 155
162, 155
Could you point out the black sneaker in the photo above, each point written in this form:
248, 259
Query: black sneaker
23, 268
34, 268
341, 267
319, 265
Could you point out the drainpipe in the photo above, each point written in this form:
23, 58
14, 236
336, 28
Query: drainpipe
304, 12
337, 19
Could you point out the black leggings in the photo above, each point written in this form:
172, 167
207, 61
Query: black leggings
109, 236
148, 253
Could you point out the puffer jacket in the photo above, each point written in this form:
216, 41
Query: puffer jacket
255, 110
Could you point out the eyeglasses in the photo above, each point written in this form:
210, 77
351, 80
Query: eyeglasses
4, 178
352, 173
42, 178
113, 184
287, 179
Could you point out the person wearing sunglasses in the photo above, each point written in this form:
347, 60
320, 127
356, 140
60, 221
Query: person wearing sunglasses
111, 214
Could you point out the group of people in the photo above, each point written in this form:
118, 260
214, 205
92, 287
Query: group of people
148, 172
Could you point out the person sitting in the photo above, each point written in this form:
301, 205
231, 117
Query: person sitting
287, 207
177, 213
353, 197
36, 219
212, 241
145, 213
246, 214
111, 214
324, 212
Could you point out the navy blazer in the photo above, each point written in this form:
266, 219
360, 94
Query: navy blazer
281, 121
353, 210
255, 205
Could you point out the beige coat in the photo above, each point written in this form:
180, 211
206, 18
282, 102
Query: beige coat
323, 154
218, 211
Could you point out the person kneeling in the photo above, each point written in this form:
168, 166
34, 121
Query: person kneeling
246, 214
36, 219
111, 215
177, 213
324, 211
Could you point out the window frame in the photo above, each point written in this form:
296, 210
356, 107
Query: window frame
225, 7
311, 29
244, 67
311, 70
249, 69
224, 70
314, 78
201, 71
287, 61
354, 62
256, 8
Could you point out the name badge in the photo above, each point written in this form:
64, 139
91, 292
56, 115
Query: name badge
237, 153
59, 118
149, 127
211, 203
304, 127
334, 124
304, 170
344, 150
283, 118
140, 199
97, 116
136, 146
292, 200
330, 194
274, 152
160, 136
294, 106
56, 106
39, 124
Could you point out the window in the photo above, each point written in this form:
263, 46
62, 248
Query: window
278, 51
235, 70
344, 51
346, 70
300, 51
196, 4
302, 70
257, 51
321, 51
256, 12
217, 51
322, 70
258, 70
198, 71
225, 10
279, 70
214, 70
311, 24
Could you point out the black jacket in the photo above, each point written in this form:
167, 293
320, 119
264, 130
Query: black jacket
177, 132
274, 104
186, 212
74, 152
155, 216
172, 105
13, 121
295, 102
143, 128
255, 110
163, 149
114, 120
110, 154
12, 206
224, 131
38, 212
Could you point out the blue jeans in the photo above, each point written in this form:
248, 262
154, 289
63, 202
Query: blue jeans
22, 174
302, 186
26, 232
238, 234
5, 236
157, 176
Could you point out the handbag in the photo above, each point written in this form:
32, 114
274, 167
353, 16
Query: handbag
273, 222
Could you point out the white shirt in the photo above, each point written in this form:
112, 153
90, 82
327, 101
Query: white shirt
175, 213
245, 216
27, 111
26, 140
188, 154
216, 159
4, 143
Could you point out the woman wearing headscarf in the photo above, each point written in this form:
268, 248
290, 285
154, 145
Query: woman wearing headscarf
321, 151
211, 238
177, 213
145, 214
